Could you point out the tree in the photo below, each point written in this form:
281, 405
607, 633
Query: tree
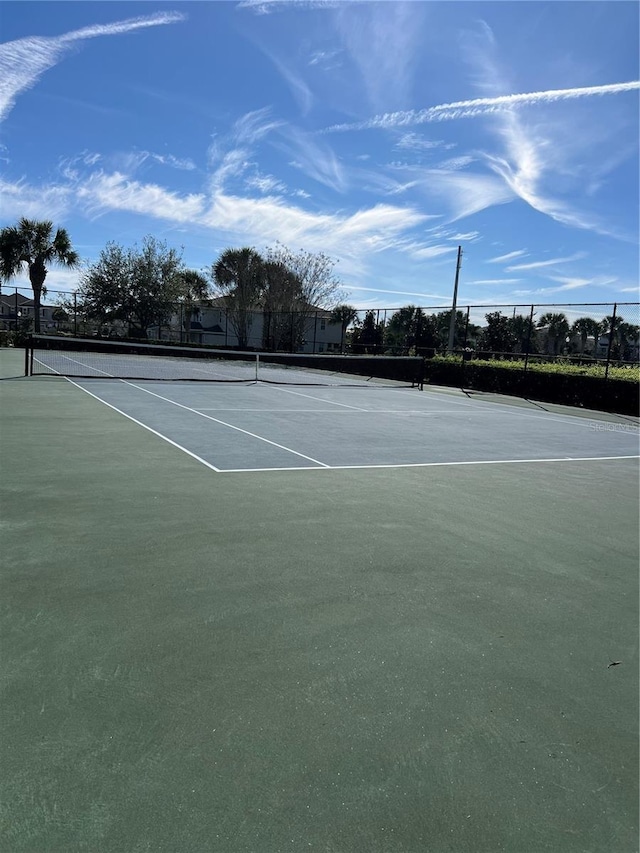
524, 334
60, 315
368, 336
442, 322
193, 287
345, 315
402, 331
138, 286
238, 275
282, 306
497, 336
34, 245
318, 286
621, 334
585, 326
557, 327
625, 334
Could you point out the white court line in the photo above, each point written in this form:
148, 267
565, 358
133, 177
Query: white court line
320, 399
260, 411
510, 409
433, 464
188, 408
472, 406
345, 467
224, 423
144, 426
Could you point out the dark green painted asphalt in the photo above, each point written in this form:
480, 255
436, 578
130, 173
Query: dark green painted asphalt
335, 661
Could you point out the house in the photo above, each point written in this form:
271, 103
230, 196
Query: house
214, 324
16, 309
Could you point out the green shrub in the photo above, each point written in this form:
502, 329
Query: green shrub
572, 385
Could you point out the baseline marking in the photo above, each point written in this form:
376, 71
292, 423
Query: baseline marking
433, 464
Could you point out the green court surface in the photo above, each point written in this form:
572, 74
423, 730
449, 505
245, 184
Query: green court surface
386, 659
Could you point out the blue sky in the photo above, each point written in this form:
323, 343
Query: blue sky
384, 134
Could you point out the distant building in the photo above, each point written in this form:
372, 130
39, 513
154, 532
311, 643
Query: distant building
15, 308
213, 324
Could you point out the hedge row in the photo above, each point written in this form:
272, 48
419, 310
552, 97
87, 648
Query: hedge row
589, 392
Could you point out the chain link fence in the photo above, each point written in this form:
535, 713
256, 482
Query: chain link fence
581, 333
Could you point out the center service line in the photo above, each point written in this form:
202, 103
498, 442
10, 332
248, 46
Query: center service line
230, 426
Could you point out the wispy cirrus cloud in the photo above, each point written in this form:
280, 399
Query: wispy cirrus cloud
104, 192
327, 60
495, 281
299, 88
48, 201
567, 284
313, 157
420, 294
22, 62
414, 142
182, 163
463, 193
482, 106
266, 7
266, 184
239, 219
382, 41
510, 256
229, 155
552, 262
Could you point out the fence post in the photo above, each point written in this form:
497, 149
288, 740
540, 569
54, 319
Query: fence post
466, 327
613, 325
528, 343
315, 331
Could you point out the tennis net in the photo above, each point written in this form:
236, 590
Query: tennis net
105, 359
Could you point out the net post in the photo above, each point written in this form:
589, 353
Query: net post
27, 351
257, 366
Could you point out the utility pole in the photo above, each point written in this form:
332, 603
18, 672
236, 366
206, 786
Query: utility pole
452, 322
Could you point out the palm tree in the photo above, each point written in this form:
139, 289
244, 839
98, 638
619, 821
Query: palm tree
238, 276
522, 328
33, 244
345, 315
557, 330
585, 326
609, 327
626, 333
193, 287
282, 308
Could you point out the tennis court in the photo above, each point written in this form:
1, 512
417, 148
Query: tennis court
327, 613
